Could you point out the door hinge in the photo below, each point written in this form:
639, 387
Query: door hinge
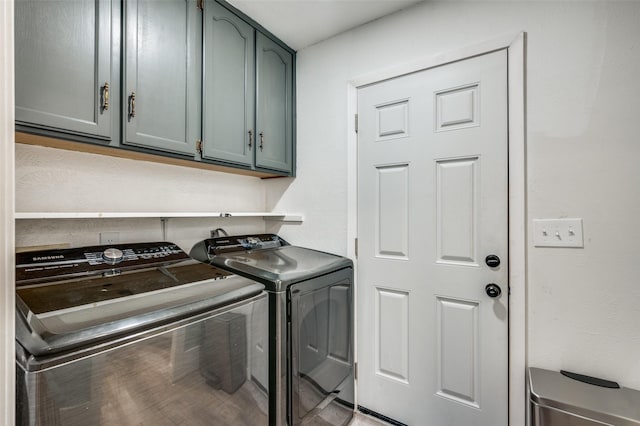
356, 243
355, 371
200, 4
356, 123
199, 147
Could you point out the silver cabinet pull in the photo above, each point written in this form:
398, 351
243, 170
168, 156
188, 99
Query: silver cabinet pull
261, 140
132, 105
250, 138
105, 97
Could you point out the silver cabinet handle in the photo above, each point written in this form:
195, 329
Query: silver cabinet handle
250, 138
261, 140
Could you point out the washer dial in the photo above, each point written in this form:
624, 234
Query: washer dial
112, 255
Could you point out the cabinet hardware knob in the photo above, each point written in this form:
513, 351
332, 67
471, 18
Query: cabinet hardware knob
261, 140
105, 96
250, 138
132, 105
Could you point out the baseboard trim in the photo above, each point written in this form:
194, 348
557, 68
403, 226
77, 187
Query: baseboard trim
365, 410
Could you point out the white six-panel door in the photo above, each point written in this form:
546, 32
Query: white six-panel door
432, 205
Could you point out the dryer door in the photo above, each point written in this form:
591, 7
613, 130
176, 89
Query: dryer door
320, 344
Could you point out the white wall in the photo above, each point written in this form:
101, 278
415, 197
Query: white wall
53, 180
583, 63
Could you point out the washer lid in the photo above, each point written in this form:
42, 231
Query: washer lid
280, 267
70, 298
619, 407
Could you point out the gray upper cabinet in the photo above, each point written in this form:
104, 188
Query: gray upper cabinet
189, 80
248, 94
162, 95
274, 122
229, 87
63, 66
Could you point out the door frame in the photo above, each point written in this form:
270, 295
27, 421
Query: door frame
7, 213
515, 44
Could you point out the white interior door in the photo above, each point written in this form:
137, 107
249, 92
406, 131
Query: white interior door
432, 205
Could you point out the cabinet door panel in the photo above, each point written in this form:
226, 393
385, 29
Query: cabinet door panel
229, 87
274, 105
63, 60
162, 69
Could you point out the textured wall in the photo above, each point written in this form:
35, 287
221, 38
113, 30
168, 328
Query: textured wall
583, 63
85, 232
50, 179
53, 180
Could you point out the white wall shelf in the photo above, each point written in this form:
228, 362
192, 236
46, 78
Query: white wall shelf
280, 217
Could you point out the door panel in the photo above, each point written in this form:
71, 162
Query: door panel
458, 360
229, 87
274, 105
63, 65
457, 108
432, 204
192, 372
456, 200
163, 96
321, 357
392, 207
392, 334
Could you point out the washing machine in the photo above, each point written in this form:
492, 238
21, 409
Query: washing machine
135, 334
310, 375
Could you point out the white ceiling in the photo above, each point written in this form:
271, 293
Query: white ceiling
301, 23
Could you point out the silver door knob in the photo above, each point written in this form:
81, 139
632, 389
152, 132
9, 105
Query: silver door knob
493, 290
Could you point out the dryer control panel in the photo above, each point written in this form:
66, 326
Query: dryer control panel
238, 243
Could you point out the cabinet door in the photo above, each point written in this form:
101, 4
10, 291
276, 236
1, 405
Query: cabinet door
229, 87
63, 65
162, 75
274, 122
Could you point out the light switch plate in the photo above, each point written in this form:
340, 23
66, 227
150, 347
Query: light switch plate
558, 233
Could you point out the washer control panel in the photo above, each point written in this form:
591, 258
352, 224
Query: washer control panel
44, 265
137, 252
112, 255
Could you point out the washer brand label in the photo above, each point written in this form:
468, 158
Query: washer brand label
56, 257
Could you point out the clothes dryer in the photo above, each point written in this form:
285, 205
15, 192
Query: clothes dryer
311, 367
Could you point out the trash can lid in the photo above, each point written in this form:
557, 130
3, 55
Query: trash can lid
619, 407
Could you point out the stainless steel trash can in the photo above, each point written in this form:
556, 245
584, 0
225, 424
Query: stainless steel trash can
557, 400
